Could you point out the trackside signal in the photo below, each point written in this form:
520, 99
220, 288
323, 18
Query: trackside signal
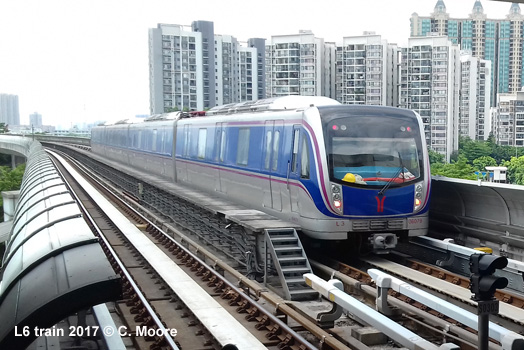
483, 286
482, 267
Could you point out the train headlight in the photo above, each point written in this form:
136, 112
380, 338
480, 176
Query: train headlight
336, 197
419, 191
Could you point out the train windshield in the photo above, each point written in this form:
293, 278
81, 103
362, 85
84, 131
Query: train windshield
374, 150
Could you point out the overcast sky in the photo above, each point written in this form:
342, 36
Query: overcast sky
87, 60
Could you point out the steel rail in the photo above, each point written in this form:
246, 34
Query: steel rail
279, 303
114, 257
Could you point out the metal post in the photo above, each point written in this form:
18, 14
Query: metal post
483, 333
265, 259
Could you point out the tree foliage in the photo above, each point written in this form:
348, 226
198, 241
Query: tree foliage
476, 156
515, 173
435, 157
458, 169
472, 150
10, 180
481, 163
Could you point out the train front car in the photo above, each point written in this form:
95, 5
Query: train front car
377, 167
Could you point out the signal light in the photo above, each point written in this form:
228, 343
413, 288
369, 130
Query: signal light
483, 284
337, 204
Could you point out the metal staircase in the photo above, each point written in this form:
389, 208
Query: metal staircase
290, 262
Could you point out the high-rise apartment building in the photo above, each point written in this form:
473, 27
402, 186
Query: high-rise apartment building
498, 40
429, 85
508, 119
226, 69
330, 69
176, 73
295, 65
9, 112
194, 69
366, 71
35, 120
260, 45
209, 56
475, 94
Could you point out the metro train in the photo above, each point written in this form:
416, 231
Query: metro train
353, 173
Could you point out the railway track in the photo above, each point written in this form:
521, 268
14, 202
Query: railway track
160, 308
455, 291
438, 328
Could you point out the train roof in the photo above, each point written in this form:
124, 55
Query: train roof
273, 104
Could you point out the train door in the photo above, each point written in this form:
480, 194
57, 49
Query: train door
182, 167
220, 147
273, 132
299, 167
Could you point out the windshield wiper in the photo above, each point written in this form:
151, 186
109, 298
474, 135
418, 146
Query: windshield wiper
390, 181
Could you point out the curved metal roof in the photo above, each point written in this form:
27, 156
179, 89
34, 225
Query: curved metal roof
53, 265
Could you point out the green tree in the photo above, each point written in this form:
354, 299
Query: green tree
472, 150
171, 109
9, 180
482, 162
502, 153
435, 157
515, 173
460, 169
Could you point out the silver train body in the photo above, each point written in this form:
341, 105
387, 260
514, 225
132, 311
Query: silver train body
338, 171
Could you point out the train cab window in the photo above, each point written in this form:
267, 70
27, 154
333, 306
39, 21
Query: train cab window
294, 158
276, 144
304, 159
201, 145
243, 146
269, 136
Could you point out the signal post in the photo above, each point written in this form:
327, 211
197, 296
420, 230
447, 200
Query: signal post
483, 286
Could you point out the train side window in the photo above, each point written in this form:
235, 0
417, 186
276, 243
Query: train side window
217, 146
163, 141
304, 159
222, 146
201, 145
243, 146
186, 140
153, 146
276, 144
139, 139
269, 136
294, 158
